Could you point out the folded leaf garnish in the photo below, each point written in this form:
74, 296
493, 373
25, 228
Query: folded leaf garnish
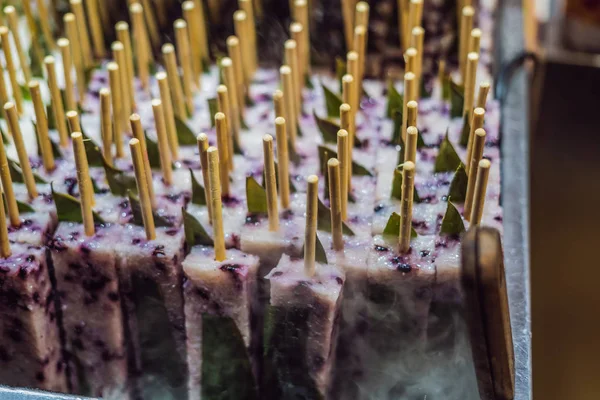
16, 173
185, 136
5, 138
92, 151
136, 212
447, 160
320, 253
68, 208
397, 186
213, 108
308, 82
326, 153
256, 197
329, 130
458, 186
21, 206
457, 99
397, 133
452, 224
198, 193
466, 131
118, 181
324, 220
153, 151
395, 100
392, 228
195, 234
332, 102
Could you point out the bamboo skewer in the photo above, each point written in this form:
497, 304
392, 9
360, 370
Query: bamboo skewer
346, 124
118, 50
138, 133
152, 29
361, 18
82, 32
3, 91
417, 41
475, 41
352, 69
240, 21
310, 234
412, 135
246, 6
13, 24
410, 93
163, 143
4, 242
165, 97
142, 45
466, 25
471, 77
177, 96
477, 154
189, 13
72, 33
222, 145
124, 37
45, 23
216, 204
201, 18
142, 186
33, 30
278, 104
13, 122
41, 123
283, 162
415, 15
93, 13
202, 140
118, 111
345, 170
408, 188
73, 121
10, 67
348, 18
300, 14
476, 123
412, 108
360, 48
410, 60
270, 183
483, 172
67, 62
85, 184
291, 59
57, 103
335, 203
296, 31
290, 103
106, 125
185, 61
403, 23
235, 54
484, 89
224, 106
214, 9
7, 185
348, 92
230, 82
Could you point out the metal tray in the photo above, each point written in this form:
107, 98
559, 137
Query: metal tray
509, 42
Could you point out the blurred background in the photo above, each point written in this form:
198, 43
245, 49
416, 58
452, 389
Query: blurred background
565, 198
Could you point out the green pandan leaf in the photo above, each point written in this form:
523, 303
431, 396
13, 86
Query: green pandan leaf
466, 131
256, 197
397, 186
243, 124
195, 234
446, 88
5, 138
50, 114
392, 228
226, 367
249, 101
93, 152
395, 100
16, 173
55, 148
340, 71
447, 160
286, 368
24, 207
326, 153
25, 92
299, 131
324, 220
97, 189
153, 151
458, 186
452, 224
68, 208
185, 136
308, 82
205, 65
198, 193
118, 181
397, 132
320, 254
457, 100
332, 103
136, 212
329, 130
213, 108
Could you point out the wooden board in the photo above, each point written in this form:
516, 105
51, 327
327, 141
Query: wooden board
484, 284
